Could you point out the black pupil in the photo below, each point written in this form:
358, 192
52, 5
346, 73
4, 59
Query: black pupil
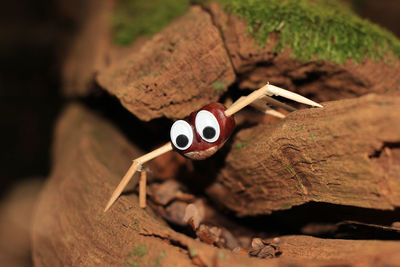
182, 140
209, 132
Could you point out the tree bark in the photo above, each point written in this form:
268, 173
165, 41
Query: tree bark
179, 70
323, 80
70, 228
193, 61
346, 153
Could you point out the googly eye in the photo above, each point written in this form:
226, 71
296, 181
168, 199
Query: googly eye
207, 126
181, 135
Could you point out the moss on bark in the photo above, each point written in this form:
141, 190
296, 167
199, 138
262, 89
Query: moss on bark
316, 30
144, 17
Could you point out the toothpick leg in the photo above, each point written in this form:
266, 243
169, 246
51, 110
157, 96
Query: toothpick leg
277, 103
137, 163
273, 90
237, 102
268, 90
260, 105
142, 189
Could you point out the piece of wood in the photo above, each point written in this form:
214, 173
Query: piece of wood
266, 90
142, 189
155, 153
70, 228
245, 101
201, 54
263, 107
260, 105
137, 164
324, 81
331, 154
123, 183
277, 103
180, 69
357, 252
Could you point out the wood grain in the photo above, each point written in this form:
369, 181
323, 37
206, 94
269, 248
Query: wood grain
70, 228
324, 155
180, 69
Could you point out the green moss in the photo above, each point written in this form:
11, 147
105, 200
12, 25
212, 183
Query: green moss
383, 104
163, 254
140, 251
312, 29
286, 206
135, 264
219, 85
160, 257
240, 145
315, 197
315, 29
133, 18
135, 225
193, 252
354, 175
299, 128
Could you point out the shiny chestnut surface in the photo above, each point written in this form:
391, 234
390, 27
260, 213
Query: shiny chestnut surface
203, 144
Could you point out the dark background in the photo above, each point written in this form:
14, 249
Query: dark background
34, 35
33, 38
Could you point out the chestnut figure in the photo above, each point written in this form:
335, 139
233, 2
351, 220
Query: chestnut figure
203, 132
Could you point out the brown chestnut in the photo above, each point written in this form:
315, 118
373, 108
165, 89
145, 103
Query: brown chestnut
203, 132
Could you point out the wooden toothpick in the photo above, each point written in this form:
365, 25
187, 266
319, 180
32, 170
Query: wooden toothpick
268, 90
142, 190
277, 103
243, 102
137, 163
260, 105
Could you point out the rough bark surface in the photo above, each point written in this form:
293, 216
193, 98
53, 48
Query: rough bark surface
179, 70
323, 80
193, 61
341, 252
70, 228
332, 155
347, 153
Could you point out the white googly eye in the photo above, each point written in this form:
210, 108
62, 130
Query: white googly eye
207, 126
181, 135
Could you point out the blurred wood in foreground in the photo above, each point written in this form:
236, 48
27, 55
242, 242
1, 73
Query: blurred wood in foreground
70, 228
